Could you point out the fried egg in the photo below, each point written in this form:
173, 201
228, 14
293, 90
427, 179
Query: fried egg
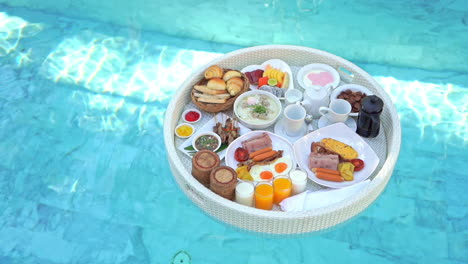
261, 173
281, 166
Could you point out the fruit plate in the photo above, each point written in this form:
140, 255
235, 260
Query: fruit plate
275, 63
340, 132
187, 148
278, 143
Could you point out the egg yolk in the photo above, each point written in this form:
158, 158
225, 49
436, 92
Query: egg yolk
281, 167
266, 175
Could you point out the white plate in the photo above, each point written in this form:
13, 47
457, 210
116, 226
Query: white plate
278, 143
318, 67
275, 63
352, 87
341, 132
220, 117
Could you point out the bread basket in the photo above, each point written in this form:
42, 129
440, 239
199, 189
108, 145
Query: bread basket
215, 108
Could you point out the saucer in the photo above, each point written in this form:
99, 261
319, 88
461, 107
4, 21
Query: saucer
279, 130
350, 122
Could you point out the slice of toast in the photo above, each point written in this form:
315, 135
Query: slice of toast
210, 96
211, 100
204, 89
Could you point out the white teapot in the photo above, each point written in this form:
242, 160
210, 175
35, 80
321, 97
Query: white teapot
314, 98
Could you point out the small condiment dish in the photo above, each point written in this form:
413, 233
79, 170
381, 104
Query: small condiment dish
184, 124
212, 134
184, 115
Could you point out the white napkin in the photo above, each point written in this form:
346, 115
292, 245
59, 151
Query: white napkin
313, 200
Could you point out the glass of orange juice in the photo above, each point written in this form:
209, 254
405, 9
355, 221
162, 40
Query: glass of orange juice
264, 196
282, 188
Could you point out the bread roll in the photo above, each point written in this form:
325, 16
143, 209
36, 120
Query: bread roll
214, 71
233, 89
216, 84
204, 89
229, 74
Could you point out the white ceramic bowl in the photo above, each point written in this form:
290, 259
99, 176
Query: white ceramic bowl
182, 124
194, 139
191, 110
317, 67
262, 125
352, 87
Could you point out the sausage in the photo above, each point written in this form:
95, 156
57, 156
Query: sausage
260, 151
329, 177
315, 170
265, 155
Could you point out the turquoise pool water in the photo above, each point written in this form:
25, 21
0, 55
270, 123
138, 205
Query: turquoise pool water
84, 176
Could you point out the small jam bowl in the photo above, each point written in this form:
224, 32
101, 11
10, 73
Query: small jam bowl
184, 124
195, 138
191, 110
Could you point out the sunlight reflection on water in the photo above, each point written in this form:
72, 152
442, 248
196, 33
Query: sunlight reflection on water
133, 72
441, 106
12, 31
118, 66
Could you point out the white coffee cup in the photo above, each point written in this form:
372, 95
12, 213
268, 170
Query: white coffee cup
338, 111
294, 115
292, 96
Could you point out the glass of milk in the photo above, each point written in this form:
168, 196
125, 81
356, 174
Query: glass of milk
298, 180
245, 193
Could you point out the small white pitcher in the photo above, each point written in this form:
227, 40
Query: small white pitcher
314, 98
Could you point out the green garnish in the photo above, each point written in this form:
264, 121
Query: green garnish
259, 109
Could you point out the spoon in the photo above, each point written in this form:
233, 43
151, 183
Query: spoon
308, 119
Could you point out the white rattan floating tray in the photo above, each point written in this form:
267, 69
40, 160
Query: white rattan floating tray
386, 146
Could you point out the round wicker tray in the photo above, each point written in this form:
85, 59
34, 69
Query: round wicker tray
277, 222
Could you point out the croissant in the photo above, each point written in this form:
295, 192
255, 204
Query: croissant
229, 74
233, 88
214, 71
236, 80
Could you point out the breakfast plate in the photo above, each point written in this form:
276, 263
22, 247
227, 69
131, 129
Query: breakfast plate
276, 64
278, 143
340, 132
187, 148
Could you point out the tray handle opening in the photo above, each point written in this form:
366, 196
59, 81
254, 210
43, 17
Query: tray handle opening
346, 75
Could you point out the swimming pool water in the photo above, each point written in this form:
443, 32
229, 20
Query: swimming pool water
84, 176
